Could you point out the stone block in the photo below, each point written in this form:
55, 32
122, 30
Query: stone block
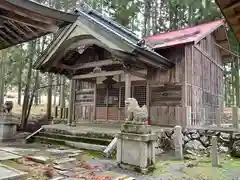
137, 129
10, 173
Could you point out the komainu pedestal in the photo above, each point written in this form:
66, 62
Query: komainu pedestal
135, 147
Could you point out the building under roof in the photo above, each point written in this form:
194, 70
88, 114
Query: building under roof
231, 11
24, 20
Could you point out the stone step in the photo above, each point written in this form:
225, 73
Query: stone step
77, 145
83, 139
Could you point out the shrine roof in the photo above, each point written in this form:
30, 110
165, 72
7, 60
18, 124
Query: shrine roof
24, 20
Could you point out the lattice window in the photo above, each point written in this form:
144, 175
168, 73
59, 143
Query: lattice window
139, 94
122, 97
113, 97
101, 94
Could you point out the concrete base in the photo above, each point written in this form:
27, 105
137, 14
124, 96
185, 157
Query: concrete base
136, 150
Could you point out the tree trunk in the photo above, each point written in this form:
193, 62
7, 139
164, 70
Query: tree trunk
49, 103
32, 46
37, 85
147, 23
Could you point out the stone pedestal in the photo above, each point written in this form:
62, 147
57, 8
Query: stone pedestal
135, 147
8, 128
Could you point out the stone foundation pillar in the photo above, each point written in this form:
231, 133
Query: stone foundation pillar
135, 147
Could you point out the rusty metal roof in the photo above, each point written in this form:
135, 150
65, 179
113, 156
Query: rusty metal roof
24, 20
231, 11
183, 36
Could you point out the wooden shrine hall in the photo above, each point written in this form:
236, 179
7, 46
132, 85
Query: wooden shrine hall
175, 74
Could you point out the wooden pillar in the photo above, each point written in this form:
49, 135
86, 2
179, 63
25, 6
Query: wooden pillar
148, 93
94, 101
107, 98
127, 88
71, 103
119, 98
187, 116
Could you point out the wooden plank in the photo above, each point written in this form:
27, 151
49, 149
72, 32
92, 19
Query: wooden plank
171, 95
138, 74
101, 74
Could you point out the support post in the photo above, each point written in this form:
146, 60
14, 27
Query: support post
127, 88
218, 117
203, 116
71, 101
148, 95
94, 101
119, 99
235, 117
187, 115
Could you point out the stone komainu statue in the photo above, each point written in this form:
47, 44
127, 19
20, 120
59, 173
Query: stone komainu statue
7, 106
135, 113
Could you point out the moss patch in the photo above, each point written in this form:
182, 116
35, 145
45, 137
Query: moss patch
201, 169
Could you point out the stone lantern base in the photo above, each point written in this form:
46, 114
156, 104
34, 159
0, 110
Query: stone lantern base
135, 147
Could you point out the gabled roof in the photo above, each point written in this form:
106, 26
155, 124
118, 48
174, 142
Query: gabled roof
231, 11
183, 36
24, 20
104, 30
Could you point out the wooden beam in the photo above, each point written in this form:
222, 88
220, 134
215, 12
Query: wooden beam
235, 17
94, 75
208, 56
90, 65
153, 64
5, 41
38, 25
30, 30
138, 74
17, 29
231, 6
230, 52
13, 33
12, 40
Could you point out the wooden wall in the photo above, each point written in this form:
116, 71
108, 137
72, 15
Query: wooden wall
166, 89
204, 80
